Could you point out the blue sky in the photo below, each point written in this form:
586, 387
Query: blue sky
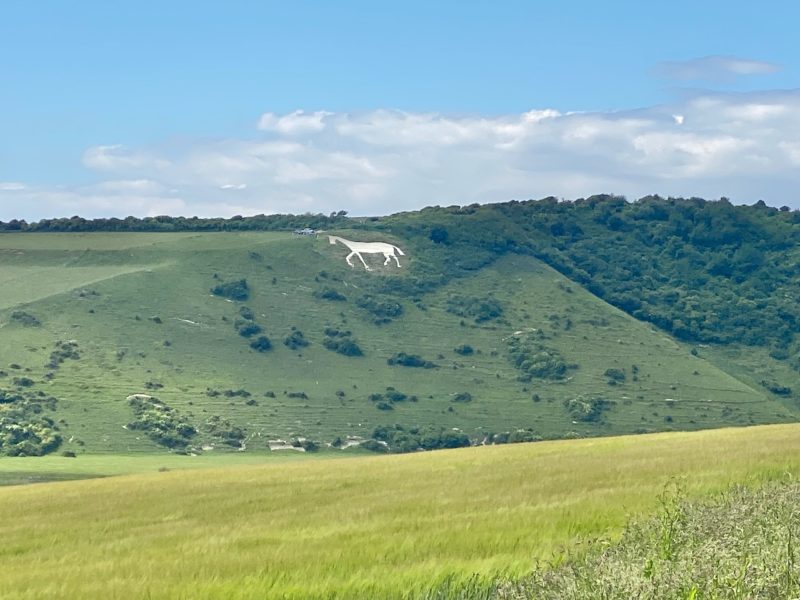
146, 107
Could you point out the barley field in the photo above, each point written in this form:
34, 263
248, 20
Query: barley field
363, 527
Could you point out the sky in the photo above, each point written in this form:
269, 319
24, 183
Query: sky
222, 108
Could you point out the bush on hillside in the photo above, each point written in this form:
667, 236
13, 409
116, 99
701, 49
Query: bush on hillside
329, 293
341, 342
160, 422
535, 359
383, 311
295, 340
261, 344
480, 309
25, 319
410, 360
233, 290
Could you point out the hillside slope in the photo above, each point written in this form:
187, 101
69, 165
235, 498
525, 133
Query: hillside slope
90, 319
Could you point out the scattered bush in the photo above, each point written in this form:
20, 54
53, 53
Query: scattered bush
587, 409
535, 359
614, 376
462, 397
65, 350
776, 388
410, 360
329, 293
161, 423
24, 430
383, 311
25, 319
233, 290
249, 329
225, 431
464, 350
261, 344
479, 309
247, 313
517, 436
400, 439
341, 342
295, 340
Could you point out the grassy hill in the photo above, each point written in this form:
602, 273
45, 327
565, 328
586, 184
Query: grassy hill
89, 319
366, 527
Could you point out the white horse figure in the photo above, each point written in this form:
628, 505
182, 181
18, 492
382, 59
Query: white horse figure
388, 250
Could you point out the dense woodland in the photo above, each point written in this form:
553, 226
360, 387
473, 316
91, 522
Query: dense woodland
705, 271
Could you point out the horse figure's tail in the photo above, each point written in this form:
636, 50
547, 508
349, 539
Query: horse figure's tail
400, 252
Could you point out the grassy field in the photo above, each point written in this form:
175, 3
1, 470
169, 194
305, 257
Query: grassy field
139, 308
38, 469
368, 527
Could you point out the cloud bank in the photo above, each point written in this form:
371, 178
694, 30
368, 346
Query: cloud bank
741, 146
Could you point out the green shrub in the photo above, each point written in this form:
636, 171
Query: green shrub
261, 344
587, 409
161, 423
295, 340
382, 310
776, 388
329, 293
614, 376
234, 290
479, 309
535, 359
25, 319
341, 342
464, 350
410, 360
222, 429
249, 330
401, 439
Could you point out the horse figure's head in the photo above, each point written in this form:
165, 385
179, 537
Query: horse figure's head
332, 239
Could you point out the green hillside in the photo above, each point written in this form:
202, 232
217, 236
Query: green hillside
366, 527
509, 350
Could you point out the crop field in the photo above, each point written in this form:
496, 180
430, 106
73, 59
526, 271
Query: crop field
366, 527
138, 311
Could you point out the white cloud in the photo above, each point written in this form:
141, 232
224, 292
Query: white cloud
296, 123
714, 68
741, 146
116, 157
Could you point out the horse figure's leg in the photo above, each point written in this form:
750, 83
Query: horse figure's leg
394, 256
388, 258
347, 258
361, 258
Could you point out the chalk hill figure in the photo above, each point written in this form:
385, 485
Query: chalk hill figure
357, 248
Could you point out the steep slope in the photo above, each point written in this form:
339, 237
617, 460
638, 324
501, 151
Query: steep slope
512, 345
